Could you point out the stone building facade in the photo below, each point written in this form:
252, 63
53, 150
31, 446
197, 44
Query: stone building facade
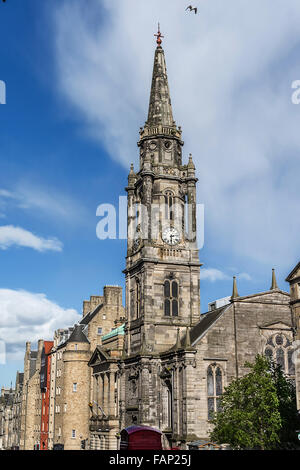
294, 281
72, 383
105, 404
175, 361
31, 399
158, 361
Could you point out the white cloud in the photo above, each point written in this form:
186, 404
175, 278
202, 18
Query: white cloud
230, 71
26, 316
51, 202
10, 236
244, 276
213, 274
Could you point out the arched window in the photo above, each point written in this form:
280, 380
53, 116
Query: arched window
171, 298
214, 389
279, 349
169, 213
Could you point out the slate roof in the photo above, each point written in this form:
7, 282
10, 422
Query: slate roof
201, 328
89, 316
289, 277
77, 336
32, 366
206, 322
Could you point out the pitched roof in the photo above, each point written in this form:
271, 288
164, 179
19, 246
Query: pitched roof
89, 316
77, 336
206, 322
291, 275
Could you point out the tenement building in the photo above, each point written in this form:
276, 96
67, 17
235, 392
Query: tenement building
159, 361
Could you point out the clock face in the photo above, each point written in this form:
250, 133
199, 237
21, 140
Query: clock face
171, 236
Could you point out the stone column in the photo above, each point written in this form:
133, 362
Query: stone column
100, 393
111, 393
95, 389
106, 394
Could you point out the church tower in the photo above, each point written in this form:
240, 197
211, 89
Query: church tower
294, 280
162, 263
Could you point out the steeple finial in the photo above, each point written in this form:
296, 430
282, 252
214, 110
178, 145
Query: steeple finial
235, 293
159, 36
274, 285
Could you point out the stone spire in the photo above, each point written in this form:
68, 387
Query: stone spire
160, 109
274, 285
235, 293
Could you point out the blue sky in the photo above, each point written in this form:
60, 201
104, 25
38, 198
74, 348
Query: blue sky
78, 80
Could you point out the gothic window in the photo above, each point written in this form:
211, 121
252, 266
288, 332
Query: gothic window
171, 298
214, 389
169, 213
279, 350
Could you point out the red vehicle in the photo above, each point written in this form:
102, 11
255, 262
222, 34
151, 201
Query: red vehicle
141, 438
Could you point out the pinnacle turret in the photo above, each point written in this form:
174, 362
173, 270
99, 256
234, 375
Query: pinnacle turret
235, 293
187, 344
178, 342
274, 285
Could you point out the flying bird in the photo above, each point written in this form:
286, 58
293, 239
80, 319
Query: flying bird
195, 9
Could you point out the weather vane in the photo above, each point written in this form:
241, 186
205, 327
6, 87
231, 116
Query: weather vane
159, 36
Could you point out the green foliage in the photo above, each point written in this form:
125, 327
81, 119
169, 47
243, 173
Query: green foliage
258, 411
286, 393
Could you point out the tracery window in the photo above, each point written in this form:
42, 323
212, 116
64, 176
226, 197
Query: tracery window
214, 389
171, 298
279, 349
